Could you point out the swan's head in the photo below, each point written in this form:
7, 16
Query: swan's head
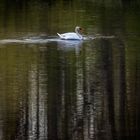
78, 29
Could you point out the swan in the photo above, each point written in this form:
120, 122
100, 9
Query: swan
72, 35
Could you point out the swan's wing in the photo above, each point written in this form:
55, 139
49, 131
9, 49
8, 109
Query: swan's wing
70, 35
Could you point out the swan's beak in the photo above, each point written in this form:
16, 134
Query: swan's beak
81, 29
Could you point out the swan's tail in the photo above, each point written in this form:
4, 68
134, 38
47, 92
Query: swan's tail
59, 35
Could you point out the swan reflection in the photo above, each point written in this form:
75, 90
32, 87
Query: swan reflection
70, 45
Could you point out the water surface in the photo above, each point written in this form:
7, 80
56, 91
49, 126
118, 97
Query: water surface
52, 89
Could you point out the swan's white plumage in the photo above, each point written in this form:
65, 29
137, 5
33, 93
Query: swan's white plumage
72, 35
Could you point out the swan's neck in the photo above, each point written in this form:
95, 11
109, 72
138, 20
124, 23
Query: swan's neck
80, 36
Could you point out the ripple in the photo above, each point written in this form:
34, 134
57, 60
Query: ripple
42, 40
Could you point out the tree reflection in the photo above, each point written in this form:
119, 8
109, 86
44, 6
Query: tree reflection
70, 90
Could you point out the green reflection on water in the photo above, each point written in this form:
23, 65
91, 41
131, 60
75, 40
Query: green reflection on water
54, 91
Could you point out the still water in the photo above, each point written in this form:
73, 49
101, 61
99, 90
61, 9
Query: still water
51, 89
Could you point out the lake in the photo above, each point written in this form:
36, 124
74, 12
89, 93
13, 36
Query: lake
53, 89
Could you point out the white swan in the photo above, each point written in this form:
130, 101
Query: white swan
72, 35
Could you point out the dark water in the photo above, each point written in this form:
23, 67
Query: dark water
69, 90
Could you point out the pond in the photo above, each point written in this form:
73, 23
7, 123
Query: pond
53, 89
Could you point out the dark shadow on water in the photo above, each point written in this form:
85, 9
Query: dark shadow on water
53, 89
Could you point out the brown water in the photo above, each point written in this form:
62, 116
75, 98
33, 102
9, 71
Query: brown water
51, 89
